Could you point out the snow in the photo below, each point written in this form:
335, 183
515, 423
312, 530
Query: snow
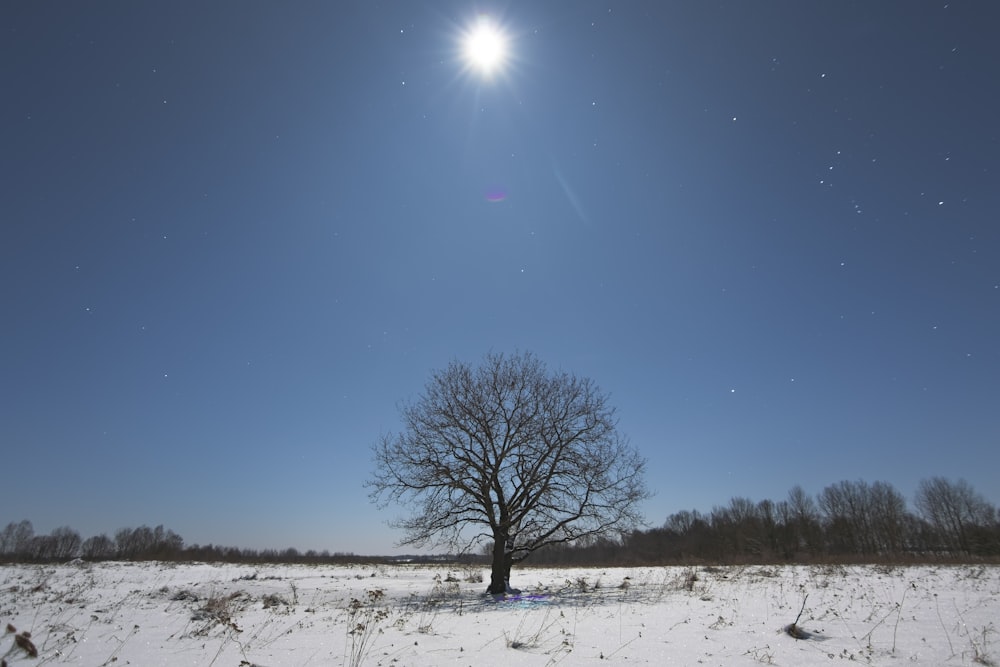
268, 616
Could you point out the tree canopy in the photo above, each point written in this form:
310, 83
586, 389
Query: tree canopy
512, 453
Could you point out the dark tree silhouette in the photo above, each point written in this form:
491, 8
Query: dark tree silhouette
955, 510
511, 455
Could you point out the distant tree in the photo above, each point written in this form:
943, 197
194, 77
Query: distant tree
510, 453
125, 545
844, 506
16, 539
769, 532
889, 518
166, 544
65, 543
145, 543
734, 526
97, 547
40, 548
806, 531
7, 539
864, 518
955, 511
142, 541
683, 522
691, 533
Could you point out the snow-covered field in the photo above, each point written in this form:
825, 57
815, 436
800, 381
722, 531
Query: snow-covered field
239, 615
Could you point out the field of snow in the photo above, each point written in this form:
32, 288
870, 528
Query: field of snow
267, 616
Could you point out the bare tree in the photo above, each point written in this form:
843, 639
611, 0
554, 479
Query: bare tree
98, 547
41, 548
889, 518
510, 453
16, 539
954, 509
737, 527
65, 543
864, 518
806, 528
848, 519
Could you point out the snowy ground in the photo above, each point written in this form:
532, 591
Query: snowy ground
238, 616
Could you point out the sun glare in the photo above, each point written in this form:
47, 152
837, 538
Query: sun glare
485, 47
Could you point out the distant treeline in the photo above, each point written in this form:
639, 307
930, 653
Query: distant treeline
19, 543
847, 522
850, 521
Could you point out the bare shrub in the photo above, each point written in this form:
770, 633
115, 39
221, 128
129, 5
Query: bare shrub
218, 610
364, 621
980, 646
545, 634
272, 600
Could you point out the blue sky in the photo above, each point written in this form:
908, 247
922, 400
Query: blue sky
238, 235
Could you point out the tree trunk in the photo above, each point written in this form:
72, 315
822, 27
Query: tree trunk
500, 572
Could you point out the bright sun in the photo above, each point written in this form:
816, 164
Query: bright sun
485, 47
